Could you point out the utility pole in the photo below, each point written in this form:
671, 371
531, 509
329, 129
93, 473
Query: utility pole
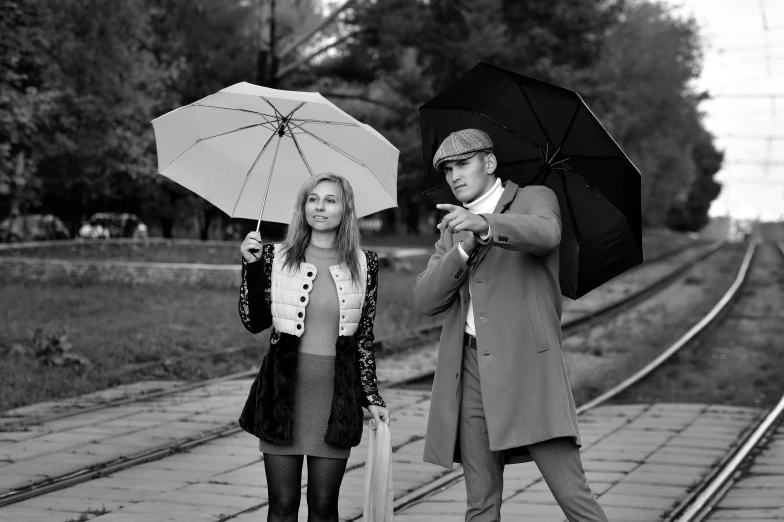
266, 60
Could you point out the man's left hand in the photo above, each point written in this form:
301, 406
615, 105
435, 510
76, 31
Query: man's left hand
460, 219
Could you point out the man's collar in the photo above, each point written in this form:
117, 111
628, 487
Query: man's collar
510, 191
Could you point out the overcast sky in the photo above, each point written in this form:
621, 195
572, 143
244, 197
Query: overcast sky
744, 60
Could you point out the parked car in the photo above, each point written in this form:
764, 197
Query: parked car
106, 225
33, 227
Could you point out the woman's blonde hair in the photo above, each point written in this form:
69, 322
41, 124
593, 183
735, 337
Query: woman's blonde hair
348, 237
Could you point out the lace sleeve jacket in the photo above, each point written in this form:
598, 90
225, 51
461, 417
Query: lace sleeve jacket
255, 304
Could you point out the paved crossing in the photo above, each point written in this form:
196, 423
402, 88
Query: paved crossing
640, 459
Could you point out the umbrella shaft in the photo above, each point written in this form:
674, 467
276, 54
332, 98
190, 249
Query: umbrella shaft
269, 179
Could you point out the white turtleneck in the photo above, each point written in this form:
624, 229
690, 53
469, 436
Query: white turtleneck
484, 204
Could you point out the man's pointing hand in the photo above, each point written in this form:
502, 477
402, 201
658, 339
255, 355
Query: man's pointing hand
459, 219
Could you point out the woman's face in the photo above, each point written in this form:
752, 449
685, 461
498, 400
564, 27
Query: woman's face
324, 208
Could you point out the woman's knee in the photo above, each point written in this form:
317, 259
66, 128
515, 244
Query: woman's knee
283, 504
321, 503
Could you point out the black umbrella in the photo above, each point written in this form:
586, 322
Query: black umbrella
546, 135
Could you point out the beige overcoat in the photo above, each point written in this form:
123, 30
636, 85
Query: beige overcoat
517, 314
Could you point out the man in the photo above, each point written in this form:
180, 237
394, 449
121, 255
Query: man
501, 394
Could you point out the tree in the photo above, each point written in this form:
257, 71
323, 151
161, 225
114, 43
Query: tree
642, 95
25, 100
206, 45
91, 142
402, 52
691, 213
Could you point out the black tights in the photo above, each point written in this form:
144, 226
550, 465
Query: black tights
284, 477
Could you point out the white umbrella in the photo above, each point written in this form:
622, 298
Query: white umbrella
247, 149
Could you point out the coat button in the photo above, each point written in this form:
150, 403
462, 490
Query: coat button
340, 288
299, 327
310, 274
305, 287
342, 316
302, 299
300, 314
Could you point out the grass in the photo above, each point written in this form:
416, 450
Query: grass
739, 362
114, 325
609, 352
88, 514
117, 326
227, 253
163, 251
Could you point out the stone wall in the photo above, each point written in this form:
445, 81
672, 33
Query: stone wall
32, 268
38, 269
115, 271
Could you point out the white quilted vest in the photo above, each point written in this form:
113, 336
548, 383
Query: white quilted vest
291, 294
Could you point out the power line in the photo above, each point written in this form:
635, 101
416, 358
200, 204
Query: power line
776, 163
751, 181
746, 48
747, 95
761, 137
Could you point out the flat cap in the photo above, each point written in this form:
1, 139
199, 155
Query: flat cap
462, 144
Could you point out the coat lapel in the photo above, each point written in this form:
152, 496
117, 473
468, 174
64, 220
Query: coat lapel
507, 196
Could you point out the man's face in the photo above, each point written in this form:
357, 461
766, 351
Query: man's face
470, 178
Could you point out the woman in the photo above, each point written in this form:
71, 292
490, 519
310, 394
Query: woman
318, 292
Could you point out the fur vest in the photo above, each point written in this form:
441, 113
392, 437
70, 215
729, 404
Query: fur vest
269, 292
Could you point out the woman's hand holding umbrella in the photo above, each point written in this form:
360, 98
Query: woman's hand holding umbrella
251, 247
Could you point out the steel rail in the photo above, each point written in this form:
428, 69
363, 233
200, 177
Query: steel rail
417, 337
121, 463
726, 476
454, 476
113, 466
431, 330
572, 326
701, 501
684, 339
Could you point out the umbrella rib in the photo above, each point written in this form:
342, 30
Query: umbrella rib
231, 109
485, 116
571, 211
536, 117
304, 160
247, 176
336, 149
349, 156
326, 122
288, 116
571, 124
279, 115
208, 138
269, 180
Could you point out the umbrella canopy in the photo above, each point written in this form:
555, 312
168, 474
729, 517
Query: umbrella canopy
247, 149
544, 134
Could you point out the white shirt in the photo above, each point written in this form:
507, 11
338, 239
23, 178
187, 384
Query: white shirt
484, 204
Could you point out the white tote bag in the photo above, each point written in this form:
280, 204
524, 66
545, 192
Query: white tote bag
379, 493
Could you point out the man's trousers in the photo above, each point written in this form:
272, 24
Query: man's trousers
558, 460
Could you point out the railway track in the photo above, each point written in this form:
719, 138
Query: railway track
704, 498
420, 336
128, 461
450, 478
